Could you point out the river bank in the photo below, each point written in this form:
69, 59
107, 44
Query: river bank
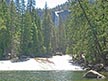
88, 64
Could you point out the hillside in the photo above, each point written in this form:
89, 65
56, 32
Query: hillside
61, 11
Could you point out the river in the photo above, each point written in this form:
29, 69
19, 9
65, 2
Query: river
57, 68
44, 76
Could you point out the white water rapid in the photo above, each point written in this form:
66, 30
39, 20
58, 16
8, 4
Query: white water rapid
54, 63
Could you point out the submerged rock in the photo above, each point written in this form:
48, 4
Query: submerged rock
93, 74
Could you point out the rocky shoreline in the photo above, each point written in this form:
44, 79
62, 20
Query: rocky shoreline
88, 65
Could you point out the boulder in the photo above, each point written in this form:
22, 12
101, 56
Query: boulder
93, 74
13, 60
98, 67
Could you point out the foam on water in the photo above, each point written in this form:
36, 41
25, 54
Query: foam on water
54, 63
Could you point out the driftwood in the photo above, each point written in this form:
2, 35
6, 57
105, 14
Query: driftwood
93, 74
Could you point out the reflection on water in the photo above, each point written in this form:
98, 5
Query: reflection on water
44, 76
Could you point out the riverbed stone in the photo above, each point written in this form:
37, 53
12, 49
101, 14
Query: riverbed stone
93, 74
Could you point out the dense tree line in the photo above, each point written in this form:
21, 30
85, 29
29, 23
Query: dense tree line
22, 32
86, 30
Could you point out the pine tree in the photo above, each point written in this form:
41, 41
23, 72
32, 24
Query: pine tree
13, 29
26, 34
31, 5
36, 33
22, 27
2, 27
61, 36
47, 26
11, 18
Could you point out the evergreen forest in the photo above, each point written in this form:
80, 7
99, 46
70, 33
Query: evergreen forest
24, 32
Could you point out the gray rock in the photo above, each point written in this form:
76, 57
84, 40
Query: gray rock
99, 67
93, 74
13, 60
106, 68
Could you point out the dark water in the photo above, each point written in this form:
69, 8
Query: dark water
44, 76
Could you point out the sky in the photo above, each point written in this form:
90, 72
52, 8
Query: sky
50, 3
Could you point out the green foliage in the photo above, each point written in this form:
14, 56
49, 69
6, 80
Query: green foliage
20, 30
26, 34
23, 32
4, 30
86, 30
47, 27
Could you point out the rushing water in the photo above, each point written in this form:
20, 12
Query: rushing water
54, 63
44, 76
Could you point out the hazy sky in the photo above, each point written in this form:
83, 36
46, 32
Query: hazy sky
50, 3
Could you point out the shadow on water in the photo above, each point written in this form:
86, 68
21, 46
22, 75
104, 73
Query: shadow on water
44, 76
